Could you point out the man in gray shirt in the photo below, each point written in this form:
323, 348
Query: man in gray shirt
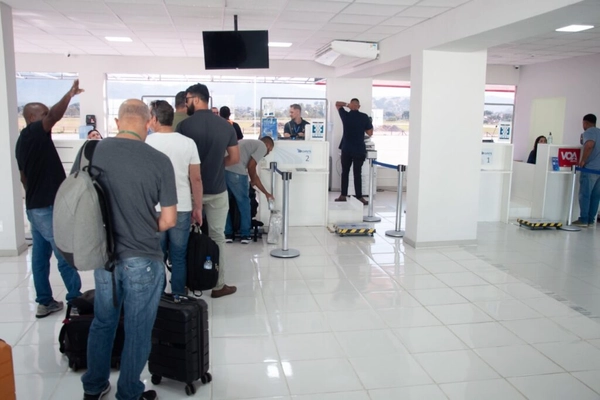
214, 137
135, 178
589, 183
236, 176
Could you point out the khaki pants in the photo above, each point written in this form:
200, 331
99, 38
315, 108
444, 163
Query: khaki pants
216, 208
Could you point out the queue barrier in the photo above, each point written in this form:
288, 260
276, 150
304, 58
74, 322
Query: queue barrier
286, 176
397, 232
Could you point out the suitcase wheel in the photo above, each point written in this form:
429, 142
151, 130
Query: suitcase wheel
156, 379
206, 378
190, 389
73, 365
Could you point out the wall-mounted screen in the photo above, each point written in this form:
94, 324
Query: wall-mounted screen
236, 49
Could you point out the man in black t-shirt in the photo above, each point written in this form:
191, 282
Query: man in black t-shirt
41, 174
354, 151
225, 112
296, 128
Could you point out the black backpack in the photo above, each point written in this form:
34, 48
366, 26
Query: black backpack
201, 246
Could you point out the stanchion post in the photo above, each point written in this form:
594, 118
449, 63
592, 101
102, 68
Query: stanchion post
370, 217
569, 227
273, 167
286, 252
398, 232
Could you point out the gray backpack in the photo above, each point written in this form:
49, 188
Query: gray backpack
81, 217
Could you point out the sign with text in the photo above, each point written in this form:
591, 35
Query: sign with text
505, 128
568, 157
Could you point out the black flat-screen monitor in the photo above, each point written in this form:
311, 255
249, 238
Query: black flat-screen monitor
236, 49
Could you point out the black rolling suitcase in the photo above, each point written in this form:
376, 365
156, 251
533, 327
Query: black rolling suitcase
180, 342
73, 337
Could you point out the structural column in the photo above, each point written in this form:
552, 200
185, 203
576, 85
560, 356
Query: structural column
344, 89
446, 114
93, 100
12, 236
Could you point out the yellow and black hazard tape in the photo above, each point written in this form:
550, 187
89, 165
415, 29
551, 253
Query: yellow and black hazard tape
539, 224
359, 231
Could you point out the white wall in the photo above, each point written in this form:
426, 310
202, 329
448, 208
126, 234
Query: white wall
576, 79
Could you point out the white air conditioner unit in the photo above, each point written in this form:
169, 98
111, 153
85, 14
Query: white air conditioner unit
328, 54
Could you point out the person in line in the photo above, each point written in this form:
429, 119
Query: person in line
533, 155
215, 110
354, 151
214, 138
589, 183
296, 128
184, 156
236, 176
135, 178
225, 112
180, 109
94, 134
42, 173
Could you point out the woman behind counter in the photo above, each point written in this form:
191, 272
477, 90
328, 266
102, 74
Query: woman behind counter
533, 155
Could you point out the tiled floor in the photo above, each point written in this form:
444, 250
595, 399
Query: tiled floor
368, 318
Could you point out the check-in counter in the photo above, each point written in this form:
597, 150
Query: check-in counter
495, 182
552, 189
308, 161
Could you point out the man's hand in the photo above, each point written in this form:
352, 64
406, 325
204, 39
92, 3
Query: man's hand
269, 196
197, 216
75, 89
581, 164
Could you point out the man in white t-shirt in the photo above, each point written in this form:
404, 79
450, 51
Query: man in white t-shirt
183, 153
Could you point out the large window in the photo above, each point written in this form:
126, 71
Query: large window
390, 113
241, 94
49, 88
498, 109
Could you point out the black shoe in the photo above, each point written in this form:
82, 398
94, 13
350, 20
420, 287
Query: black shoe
149, 395
228, 238
98, 396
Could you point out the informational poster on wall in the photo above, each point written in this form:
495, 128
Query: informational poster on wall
505, 131
316, 130
268, 127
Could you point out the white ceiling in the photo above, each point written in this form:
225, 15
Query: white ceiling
553, 45
173, 28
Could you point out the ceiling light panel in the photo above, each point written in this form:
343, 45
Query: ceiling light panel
575, 28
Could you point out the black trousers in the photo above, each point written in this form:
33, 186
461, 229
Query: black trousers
356, 162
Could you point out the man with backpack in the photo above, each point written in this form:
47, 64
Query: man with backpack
135, 178
41, 174
184, 156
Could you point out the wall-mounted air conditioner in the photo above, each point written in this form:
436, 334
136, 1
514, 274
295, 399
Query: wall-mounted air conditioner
328, 54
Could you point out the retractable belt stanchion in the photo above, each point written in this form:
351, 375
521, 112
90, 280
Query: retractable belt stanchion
371, 156
569, 227
284, 252
398, 233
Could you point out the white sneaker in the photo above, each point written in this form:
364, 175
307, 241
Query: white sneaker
44, 311
246, 239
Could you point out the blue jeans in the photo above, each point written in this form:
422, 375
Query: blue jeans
40, 220
139, 284
174, 244
238, 185
589, 197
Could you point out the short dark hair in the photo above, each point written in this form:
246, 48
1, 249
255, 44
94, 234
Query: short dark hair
267, 140
225, 112
94, 130
199, 90
296, 107
355, 99
591, 118
163, 112
180, 99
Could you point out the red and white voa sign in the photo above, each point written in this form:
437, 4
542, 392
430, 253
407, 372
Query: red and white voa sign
568, 157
